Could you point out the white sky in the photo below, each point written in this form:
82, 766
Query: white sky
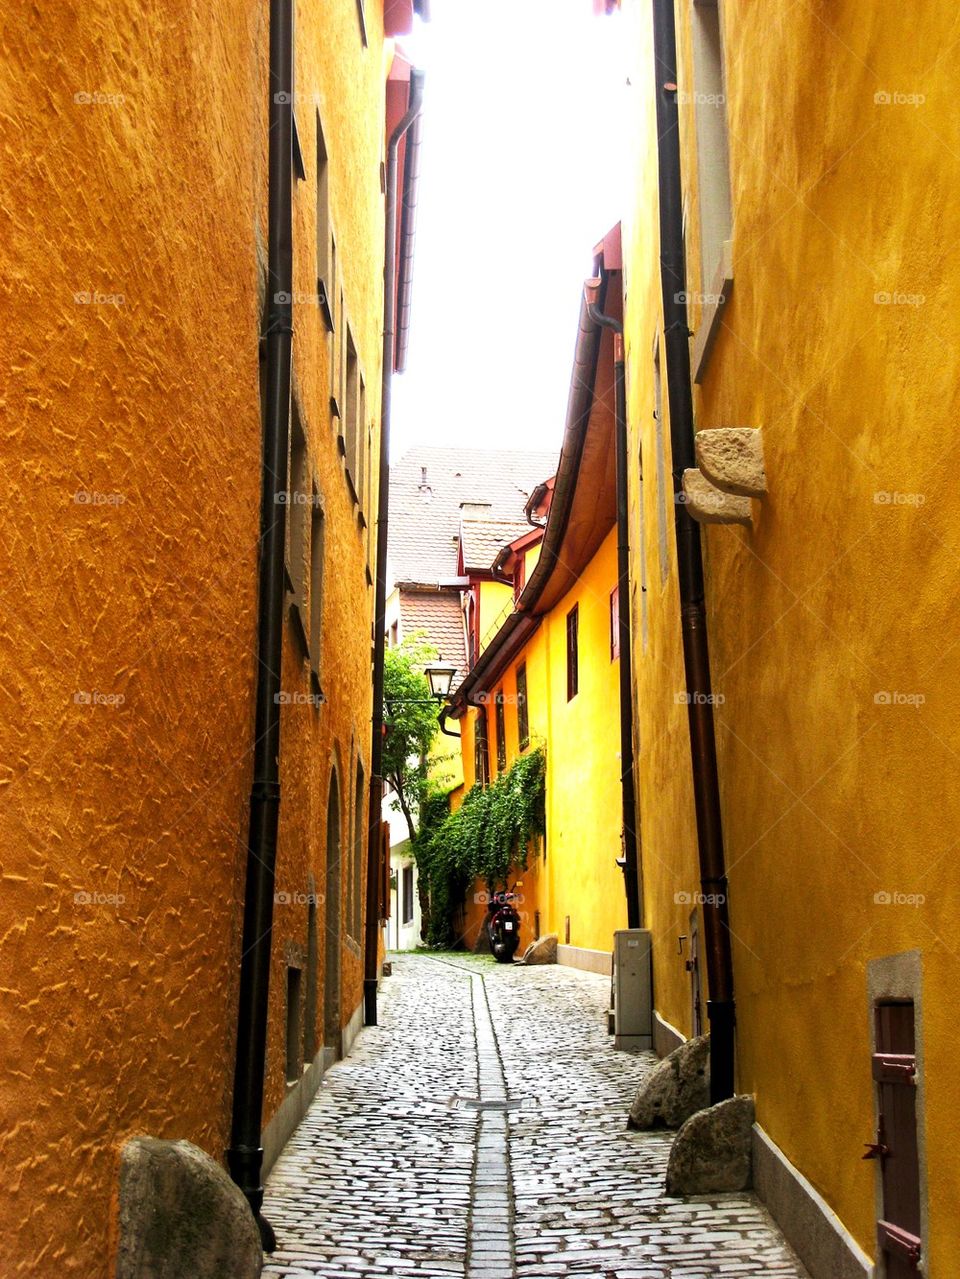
522, 169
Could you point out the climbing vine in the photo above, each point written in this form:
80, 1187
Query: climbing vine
486, 838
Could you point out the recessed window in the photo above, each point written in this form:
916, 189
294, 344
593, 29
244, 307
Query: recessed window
298, 550
615, 623
326, 252
713, 161
293, 1025
523, 715
317, 539
359, 830
501, 733
362, 19
481, 750
406, 908
573, 652
664, 495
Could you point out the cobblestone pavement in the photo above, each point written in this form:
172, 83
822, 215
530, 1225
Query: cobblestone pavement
480, 1132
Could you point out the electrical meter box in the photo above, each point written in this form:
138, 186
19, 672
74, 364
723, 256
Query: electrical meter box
632, 990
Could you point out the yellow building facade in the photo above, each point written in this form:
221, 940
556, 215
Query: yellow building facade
129, 657
547, 675
817, 155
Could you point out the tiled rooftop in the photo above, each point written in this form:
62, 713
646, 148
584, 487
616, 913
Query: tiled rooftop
438, 614
427, 488
483, 540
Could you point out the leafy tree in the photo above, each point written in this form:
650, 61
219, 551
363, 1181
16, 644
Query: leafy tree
410, 722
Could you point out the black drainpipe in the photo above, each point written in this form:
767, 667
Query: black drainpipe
721, 1008
631, 875
372, 936
245, 1155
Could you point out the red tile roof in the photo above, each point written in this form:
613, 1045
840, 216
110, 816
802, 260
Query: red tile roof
437, 613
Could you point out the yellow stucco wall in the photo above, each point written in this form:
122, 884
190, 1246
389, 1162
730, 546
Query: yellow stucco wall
836, 342
496, 601
133, 234
576, 875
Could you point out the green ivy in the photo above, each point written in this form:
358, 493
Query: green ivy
487, 838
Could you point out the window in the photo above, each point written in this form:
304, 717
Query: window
361, 441
642, 547
663, 494
326, 250
501, 733
298, 500
362, 19
350, 406
615, 623
523, 717
519, 576
359, 830
293, 1025
713, 164
573, 656
481, 753
406, 909
317, 537
393, 640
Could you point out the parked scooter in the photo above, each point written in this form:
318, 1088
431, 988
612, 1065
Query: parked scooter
503, 925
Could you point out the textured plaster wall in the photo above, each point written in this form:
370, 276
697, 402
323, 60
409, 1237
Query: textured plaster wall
834, 615
130, 225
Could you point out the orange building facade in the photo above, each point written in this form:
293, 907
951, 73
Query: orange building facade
129, 653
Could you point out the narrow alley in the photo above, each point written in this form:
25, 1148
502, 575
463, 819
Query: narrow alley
479, 1130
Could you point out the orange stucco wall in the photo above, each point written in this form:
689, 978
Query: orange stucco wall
129, 528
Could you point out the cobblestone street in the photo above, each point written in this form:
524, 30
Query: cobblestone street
480, 1131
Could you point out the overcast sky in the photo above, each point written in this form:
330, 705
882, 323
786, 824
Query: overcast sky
522, 166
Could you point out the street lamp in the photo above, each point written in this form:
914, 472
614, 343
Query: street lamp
440, 677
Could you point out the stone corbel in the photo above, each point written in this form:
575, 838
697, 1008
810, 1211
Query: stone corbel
731, 458
709, 505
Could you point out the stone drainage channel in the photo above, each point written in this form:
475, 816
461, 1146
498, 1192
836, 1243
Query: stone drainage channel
490, 1234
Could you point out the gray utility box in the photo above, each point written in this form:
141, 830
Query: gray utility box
632, 990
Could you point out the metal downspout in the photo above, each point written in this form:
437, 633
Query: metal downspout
631, 862
721, 1008
372, 934
245, 1155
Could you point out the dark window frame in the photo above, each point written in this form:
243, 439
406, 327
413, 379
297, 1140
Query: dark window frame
523, 714
481, 748
406, 895
573, 652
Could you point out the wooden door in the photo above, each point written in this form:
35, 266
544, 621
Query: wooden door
894, 1072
